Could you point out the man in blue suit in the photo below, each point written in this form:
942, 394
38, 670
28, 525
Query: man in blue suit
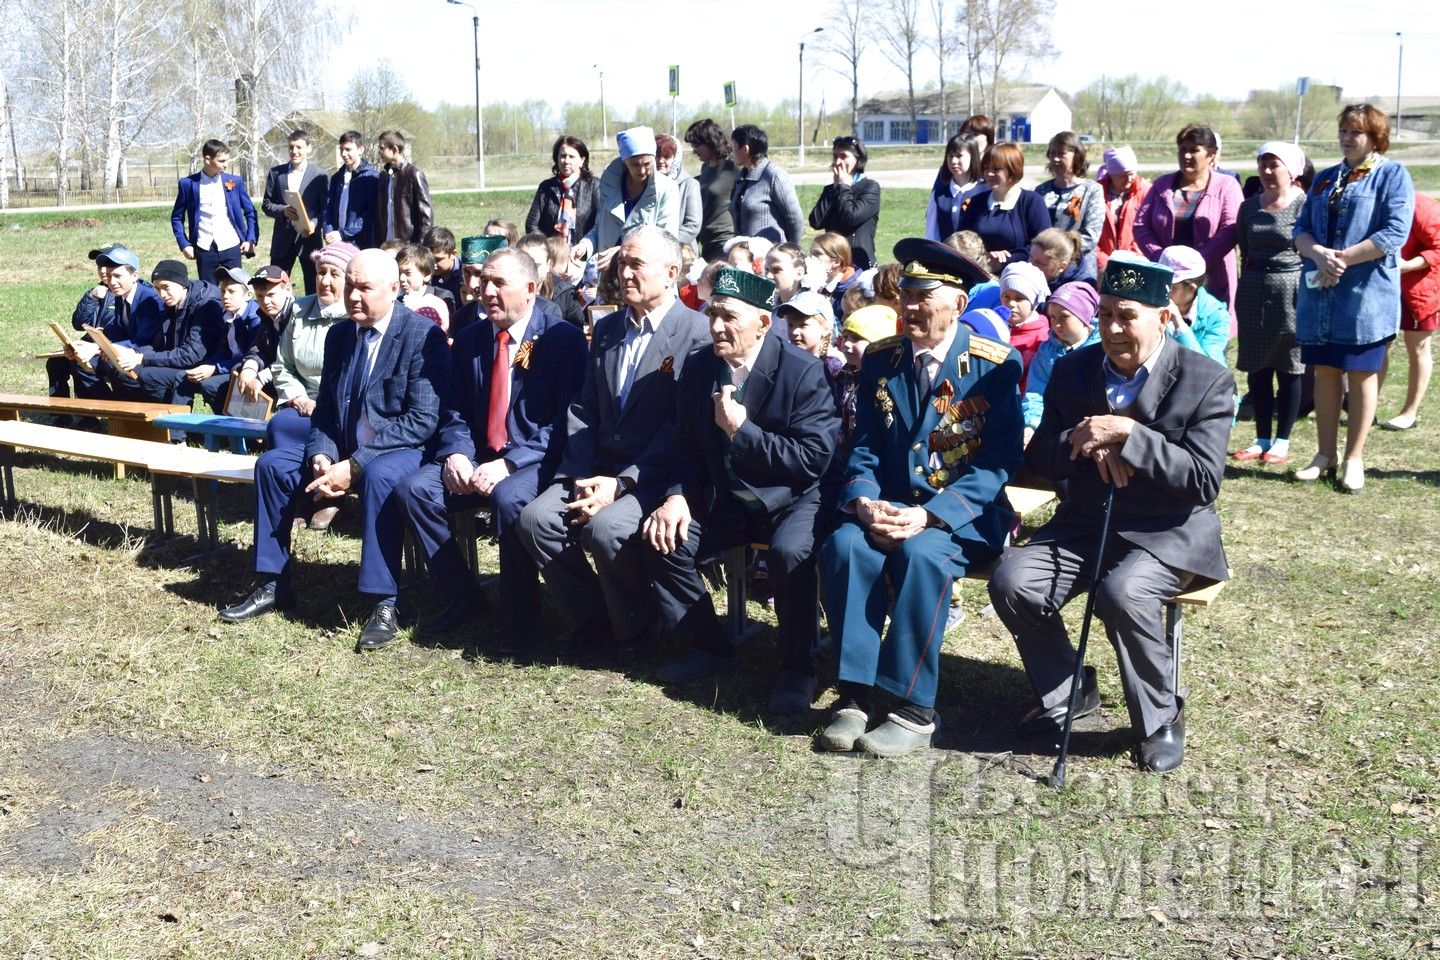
213, 219
384, 373
937, 436
512, 378
298, 175
350, 200
756, 427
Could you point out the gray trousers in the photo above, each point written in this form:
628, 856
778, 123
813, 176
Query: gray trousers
1032, 583
612, 537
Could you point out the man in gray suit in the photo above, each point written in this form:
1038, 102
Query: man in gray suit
619, 452
1140, 412
303, 177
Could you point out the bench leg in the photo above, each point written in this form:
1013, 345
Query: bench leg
7, 479
1175, 633
206, 533
735, 593
463, 526
162, 493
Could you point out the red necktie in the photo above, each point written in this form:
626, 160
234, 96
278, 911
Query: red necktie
495, 433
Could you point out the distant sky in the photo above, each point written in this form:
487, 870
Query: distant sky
545, 48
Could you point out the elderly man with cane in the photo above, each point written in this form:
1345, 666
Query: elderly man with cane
1137, 418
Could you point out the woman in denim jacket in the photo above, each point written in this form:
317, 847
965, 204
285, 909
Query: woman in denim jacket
1349, 233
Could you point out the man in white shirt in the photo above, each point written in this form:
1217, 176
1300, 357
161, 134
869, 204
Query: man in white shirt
618, 454
213, 219
298, 175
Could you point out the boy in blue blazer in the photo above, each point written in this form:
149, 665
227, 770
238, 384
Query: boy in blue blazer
213, 219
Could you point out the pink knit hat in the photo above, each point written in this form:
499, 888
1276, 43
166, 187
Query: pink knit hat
338, 254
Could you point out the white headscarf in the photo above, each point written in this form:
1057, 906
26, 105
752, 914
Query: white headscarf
1288, 153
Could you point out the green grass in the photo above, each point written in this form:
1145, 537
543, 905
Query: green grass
172, 788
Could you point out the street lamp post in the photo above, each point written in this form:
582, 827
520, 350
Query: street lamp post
479, 121
604, 120
800, 114
1399, 66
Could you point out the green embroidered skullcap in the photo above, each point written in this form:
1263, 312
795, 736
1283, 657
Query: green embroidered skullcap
1138, 280
754, 290
476, 250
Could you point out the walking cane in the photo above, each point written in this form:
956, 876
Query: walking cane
1057, 775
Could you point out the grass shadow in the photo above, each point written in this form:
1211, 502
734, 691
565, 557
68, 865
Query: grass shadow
325, 595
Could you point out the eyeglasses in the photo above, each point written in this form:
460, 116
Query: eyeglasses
845, 141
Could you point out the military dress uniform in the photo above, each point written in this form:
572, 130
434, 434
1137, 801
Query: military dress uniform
951, 451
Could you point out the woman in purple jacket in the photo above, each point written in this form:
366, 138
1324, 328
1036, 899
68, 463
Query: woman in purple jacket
1197, 206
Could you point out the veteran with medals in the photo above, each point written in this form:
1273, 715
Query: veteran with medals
1137, 411
937, 436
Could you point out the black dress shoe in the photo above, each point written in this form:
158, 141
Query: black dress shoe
453, 617
586, 639
693, 665
1041, 722
380, 630
638, 648
1164, 750
267, 597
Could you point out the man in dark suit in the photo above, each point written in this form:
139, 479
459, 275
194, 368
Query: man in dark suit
402, 200
350, 196
1139, 412
213, 219
513, 376
756, 429
384, 373
937, 436
619, 452
300, 176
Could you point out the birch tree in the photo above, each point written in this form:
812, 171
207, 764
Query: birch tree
843, 43
901, 43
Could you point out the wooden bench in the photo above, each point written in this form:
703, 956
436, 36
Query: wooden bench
123, 418
167, 463
1025, 501
214, 426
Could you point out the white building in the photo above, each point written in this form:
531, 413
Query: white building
1027, 114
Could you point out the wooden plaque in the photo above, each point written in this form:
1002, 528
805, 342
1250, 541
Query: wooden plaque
304, 225
108, 351
69, 344
237, 406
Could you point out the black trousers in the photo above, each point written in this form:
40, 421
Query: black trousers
684, 601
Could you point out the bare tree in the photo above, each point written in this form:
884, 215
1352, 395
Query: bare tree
843, 43
1018, 31
52, 84
967, 19
132, 35
900, 42
372, 99
6, 130
1129, 108
946, 40
270, 50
